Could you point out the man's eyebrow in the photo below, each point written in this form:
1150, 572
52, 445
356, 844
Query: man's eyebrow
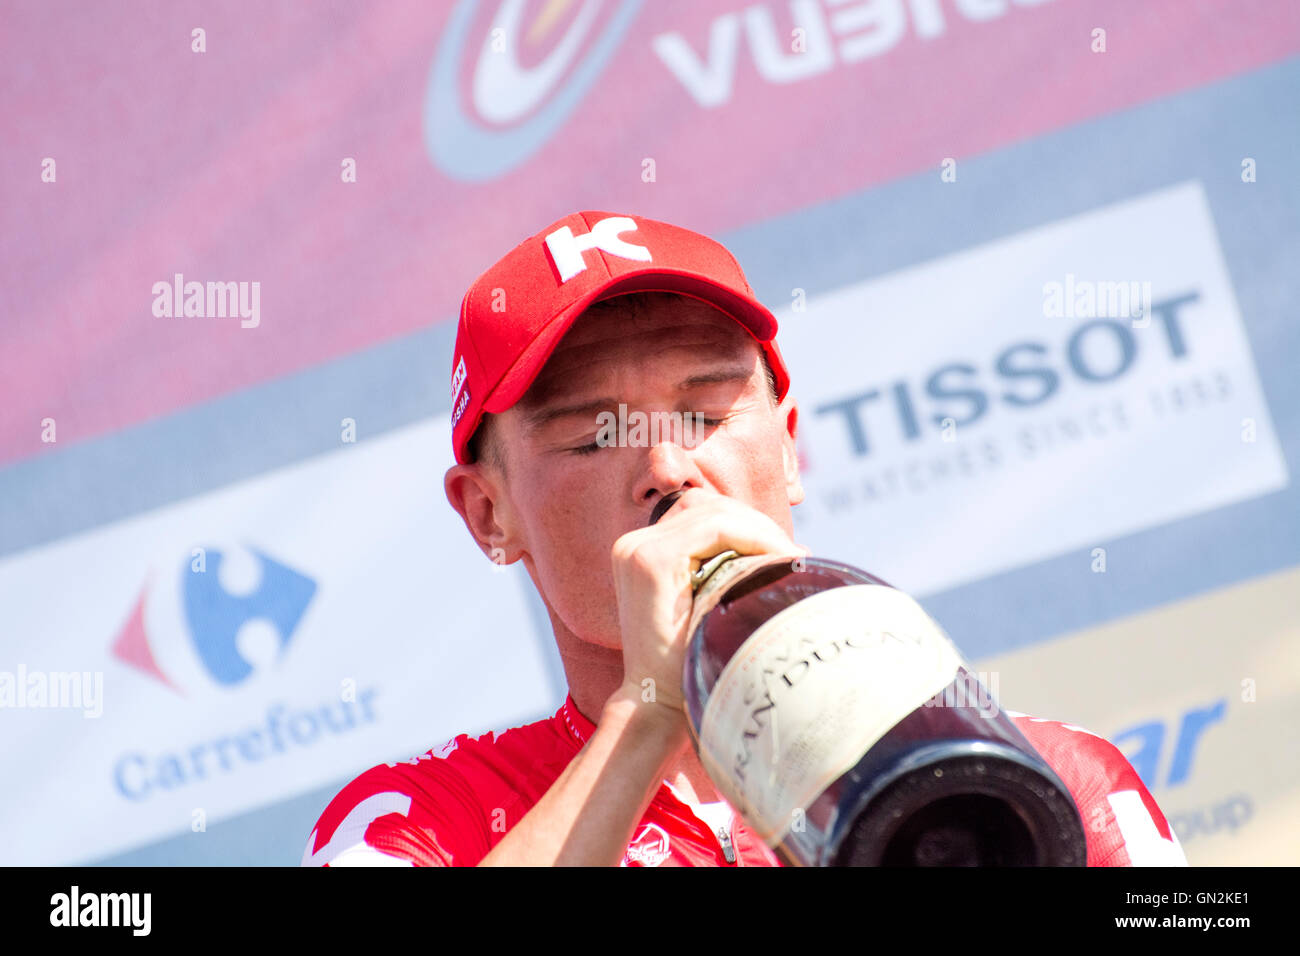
722, 376
537, 417
544, 415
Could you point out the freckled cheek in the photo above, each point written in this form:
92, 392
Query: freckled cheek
747, 459
549, 489
574, 550
569, 529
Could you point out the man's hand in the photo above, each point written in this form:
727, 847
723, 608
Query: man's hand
588, 815
652, 584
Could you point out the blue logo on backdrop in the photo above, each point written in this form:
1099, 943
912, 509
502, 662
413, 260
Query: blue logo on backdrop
230, 611
1148, 744
215, 616
199, 626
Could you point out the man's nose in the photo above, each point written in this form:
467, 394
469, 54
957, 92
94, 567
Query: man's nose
668, 468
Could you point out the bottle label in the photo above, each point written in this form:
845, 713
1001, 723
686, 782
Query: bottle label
811, 690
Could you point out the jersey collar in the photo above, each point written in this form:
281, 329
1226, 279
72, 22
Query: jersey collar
581, 729
578, 726
709, 817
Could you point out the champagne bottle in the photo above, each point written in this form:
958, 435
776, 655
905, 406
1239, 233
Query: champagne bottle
840, 721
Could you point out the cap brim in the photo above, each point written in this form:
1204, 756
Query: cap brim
751, 315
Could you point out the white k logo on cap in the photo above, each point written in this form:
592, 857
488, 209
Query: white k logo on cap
566, 249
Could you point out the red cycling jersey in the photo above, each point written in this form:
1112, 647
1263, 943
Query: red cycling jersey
450, 806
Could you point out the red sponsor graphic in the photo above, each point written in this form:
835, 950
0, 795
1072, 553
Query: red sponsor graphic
648, 848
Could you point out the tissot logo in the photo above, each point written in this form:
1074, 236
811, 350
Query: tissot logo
1020, 375
955, 408
566, 249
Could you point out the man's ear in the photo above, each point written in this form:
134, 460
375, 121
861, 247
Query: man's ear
789, 409
479, 498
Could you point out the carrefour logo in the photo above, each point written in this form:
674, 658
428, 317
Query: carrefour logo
214, 619
525, 76
220, 619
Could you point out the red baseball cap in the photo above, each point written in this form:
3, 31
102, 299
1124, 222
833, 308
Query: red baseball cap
516, 312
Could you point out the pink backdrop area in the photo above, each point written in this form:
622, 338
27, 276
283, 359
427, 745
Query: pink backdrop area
225, 165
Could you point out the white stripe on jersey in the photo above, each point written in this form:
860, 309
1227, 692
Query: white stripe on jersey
347, 846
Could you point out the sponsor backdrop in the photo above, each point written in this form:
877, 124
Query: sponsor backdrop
1035, 265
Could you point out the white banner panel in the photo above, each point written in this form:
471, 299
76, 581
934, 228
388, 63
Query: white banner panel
1045, 392
1203, 697
238, 648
